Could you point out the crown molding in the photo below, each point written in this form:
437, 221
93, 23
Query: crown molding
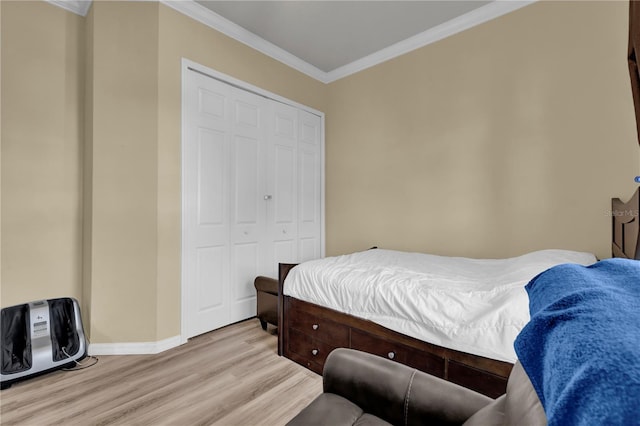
79, 7
205, 16
478, 16
211, 19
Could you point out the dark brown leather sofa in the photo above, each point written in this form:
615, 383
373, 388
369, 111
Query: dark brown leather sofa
364, 389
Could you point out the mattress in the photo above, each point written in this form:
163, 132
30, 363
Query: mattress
477, 306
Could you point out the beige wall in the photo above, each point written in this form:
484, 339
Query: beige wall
122, 255
114, 243
87, 164
42, 92
509, 137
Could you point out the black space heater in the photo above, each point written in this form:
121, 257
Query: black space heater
39, 337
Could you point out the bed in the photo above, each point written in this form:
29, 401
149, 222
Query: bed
412, 327
310, 327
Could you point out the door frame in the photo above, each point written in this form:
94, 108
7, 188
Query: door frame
187, 67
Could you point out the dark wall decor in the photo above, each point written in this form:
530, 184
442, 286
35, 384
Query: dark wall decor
634, 50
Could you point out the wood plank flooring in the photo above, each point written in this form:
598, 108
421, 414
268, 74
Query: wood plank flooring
231, 376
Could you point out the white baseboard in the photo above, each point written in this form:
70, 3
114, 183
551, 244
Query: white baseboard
134, 348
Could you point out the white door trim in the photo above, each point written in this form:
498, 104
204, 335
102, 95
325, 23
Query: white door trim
190, 66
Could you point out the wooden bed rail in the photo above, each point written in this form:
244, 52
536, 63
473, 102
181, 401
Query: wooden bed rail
283, 271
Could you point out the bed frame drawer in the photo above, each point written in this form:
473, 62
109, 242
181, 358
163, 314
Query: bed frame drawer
309, 350
478, 380
426, 362
412, 357
319, 328
374, 345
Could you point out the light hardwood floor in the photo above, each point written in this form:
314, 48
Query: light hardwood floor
231, 376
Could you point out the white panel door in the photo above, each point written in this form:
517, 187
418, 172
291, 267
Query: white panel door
309, 175
248, 207
206, 174
282, 214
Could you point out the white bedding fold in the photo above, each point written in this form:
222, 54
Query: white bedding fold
476, 306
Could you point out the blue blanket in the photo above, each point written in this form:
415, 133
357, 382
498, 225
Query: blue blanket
581, 348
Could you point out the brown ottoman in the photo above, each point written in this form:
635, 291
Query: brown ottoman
267, 300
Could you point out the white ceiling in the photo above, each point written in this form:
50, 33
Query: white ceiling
328, 40
332, 34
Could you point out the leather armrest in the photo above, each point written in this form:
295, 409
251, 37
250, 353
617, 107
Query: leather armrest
391, 390
266, 285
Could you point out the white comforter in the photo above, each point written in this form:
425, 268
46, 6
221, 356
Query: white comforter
476, 306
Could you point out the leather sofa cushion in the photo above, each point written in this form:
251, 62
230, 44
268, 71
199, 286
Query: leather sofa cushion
522, 405
519, 406
331, 409
370, 420
492, 414
375, 384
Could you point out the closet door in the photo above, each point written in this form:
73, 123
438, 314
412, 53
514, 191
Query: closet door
282, 193
248, 236
206, 220
309, 177
225, 237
